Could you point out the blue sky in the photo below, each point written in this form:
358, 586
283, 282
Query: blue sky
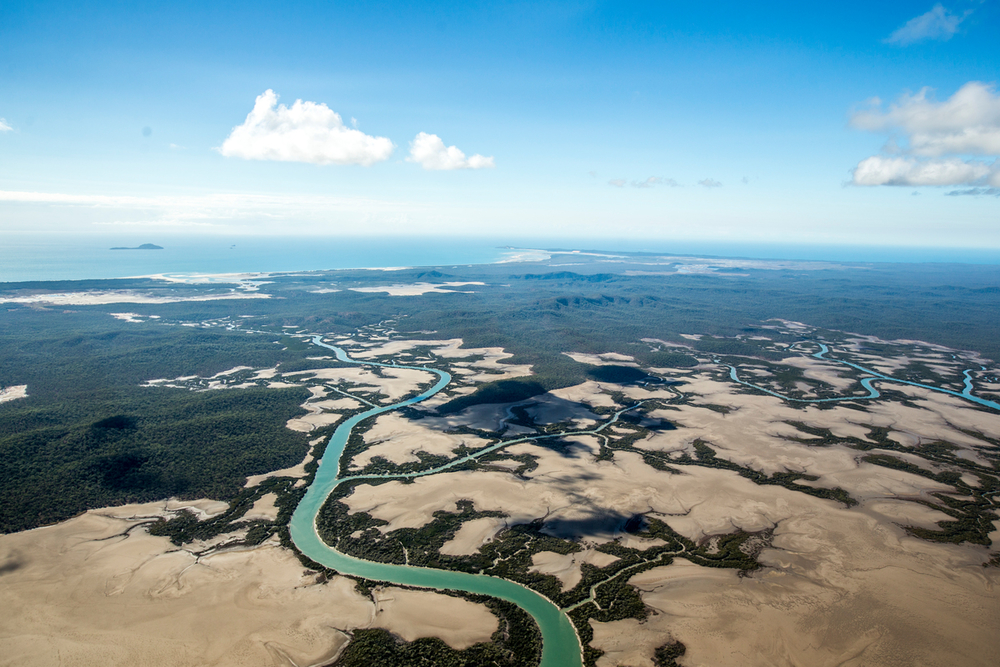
728, 122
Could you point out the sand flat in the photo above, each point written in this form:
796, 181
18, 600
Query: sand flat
100, 298
75, 594
413, 614
263, 509
417, 289
397, 439
606, 359
835, 592
472, 535
839, 377
566, 567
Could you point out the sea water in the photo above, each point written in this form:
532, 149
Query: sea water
27, 257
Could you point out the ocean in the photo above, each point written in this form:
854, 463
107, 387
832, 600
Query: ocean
48, 257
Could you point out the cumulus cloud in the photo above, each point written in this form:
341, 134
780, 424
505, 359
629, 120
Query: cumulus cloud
878, 170
968, 123
4, 127
937, 24
303, 132
931, 142
429, 151
710, 183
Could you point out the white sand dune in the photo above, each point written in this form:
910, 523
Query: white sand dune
100, 298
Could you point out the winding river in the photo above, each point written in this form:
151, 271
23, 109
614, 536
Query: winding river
966, 393
560, 643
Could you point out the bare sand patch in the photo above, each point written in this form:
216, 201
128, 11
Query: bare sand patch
263, 509
756, 433
81, 593
100, 298
413, 614
489, 366
231, 371
393, 383
203, 508
416, 289
566, 567
321, 410
640, 543
605, 359
13, 393
135, 318
830, 373
472, 535
905, 513
839, 589
398, 439
589, 392
588, 500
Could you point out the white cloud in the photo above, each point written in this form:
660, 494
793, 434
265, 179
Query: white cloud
968, 123
930, 141
975, 192
878, 170
430, 153
4, 127
617, 182
655, 180
937, 24
710, 183
303, 132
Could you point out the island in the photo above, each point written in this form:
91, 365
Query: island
144, 246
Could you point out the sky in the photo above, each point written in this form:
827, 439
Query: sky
819, 123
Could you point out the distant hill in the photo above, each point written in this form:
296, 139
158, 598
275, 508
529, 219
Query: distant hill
144, 246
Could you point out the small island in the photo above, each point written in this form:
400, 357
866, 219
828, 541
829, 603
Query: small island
144, 246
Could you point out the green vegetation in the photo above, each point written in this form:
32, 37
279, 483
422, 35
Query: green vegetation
61, 457
666, 655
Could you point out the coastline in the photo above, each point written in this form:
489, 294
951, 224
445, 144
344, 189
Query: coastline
25, 258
